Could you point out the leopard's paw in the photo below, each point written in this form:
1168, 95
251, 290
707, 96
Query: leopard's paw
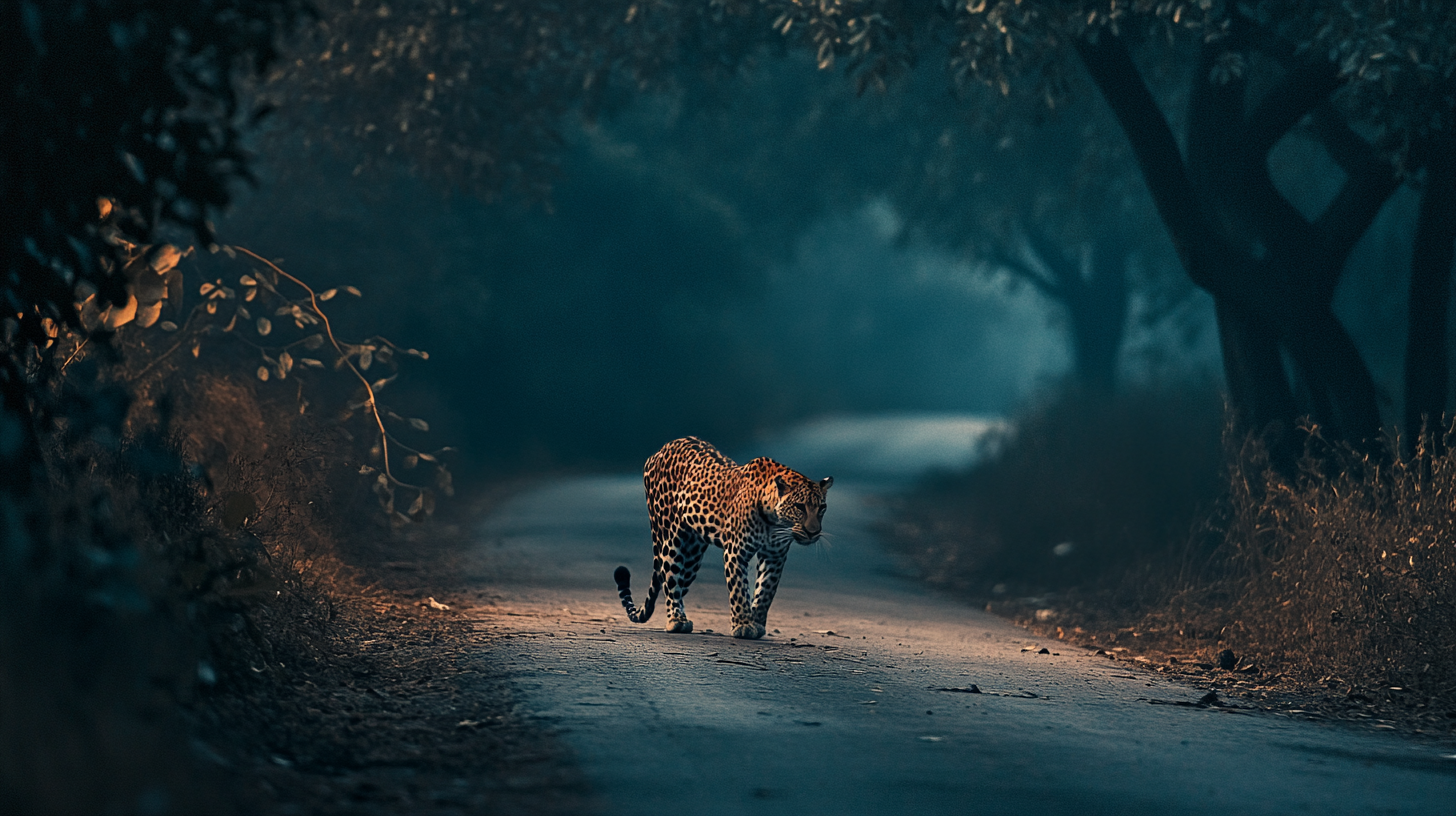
760, 627
683, 626
748, 631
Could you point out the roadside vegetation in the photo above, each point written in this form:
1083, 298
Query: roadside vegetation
1101, 522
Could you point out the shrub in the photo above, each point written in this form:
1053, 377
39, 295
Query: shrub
1089, 491
1343, 572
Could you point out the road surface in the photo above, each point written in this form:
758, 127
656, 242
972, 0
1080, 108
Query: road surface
847, 706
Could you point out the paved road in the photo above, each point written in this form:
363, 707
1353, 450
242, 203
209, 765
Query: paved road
841, 710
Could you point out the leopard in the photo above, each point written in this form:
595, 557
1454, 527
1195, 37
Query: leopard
698, 497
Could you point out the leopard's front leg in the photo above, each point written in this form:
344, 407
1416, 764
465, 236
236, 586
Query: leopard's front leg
770, 569
735, 569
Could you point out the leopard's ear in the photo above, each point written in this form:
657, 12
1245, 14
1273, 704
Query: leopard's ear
826, 483
781, 485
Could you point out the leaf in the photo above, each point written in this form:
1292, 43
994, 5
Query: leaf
283, 310
264, 326
427, 457
366, 359
410, 461
378, 385
328, 294
418, 505
168, 325
248, 280
286, 361
313, 341
244, 313
419, 424
353, 290
282, 372
263, 373
196, 349
212, 307
206, 287
229, 251
250, 294
311, 362
365, 470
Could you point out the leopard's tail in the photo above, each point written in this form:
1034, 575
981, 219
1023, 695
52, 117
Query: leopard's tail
623, 577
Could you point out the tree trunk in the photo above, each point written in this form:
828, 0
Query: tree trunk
1426, 356
1242, 242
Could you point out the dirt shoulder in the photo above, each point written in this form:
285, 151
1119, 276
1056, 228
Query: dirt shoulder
1238, 681
394, 705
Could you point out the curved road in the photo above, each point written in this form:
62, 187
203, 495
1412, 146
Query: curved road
844, 707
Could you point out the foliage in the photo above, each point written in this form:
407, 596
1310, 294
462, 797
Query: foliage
471, 94
132, 100
1345, 570
310, 344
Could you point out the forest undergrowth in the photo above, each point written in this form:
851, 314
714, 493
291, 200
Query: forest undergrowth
1322, 591
209, 631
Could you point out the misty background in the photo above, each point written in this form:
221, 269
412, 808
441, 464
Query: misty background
776, 251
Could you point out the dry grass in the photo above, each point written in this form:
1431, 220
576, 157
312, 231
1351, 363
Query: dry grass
1344, 572
1333, 584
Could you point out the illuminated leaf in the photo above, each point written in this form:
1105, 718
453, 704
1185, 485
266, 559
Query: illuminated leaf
250, 294
353, 290
206, 287
313, 341
147, 315
366, 358
263, 373
231, 323
365, 470
419, 424
427, 457
410, 461
311, 362
418, 505
286, 361
196, 349
248, 280
327, 294
378, 385
264, 326
168, 325
212, 307
282, 310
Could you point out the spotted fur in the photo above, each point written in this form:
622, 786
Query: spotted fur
696, 496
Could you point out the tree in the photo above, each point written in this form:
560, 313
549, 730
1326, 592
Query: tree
1371, 82
131, 101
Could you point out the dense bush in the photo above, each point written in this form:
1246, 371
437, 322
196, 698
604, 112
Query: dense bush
1344, 571
1088, 491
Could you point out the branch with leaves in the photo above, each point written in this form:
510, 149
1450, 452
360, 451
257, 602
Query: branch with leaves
255, 310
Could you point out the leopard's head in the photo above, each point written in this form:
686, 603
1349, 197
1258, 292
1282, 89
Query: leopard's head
800, 505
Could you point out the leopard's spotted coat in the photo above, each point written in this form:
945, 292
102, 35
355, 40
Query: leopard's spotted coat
696, 496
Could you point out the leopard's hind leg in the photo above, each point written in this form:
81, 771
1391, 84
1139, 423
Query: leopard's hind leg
681, 568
